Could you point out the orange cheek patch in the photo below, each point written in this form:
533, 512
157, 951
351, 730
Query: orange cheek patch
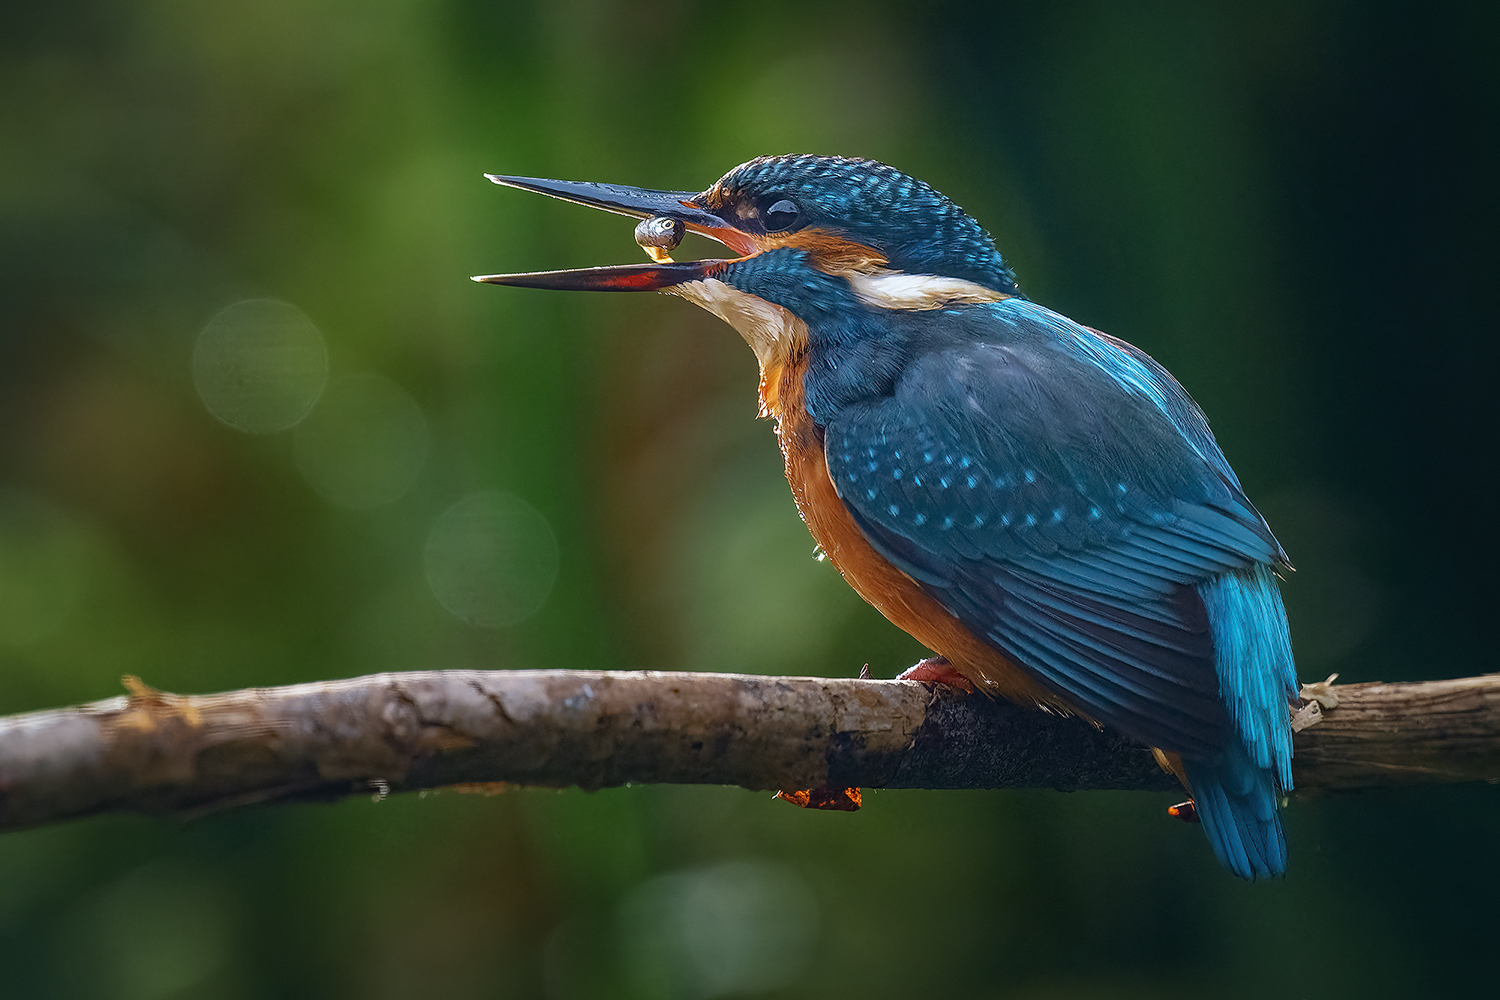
830, 252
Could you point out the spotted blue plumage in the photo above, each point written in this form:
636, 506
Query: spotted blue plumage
1061, 494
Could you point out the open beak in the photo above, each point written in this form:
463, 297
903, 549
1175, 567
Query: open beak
638, 203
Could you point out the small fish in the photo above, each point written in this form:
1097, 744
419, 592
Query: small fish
659, 236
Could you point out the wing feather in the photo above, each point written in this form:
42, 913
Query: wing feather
1065, 512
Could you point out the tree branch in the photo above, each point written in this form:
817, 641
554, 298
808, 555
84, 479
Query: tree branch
163, 753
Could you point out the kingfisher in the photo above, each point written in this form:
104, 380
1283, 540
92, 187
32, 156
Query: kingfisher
1038, 503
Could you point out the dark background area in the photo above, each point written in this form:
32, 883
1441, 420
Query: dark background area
1292, 206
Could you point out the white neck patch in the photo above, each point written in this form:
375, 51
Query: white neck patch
899, 290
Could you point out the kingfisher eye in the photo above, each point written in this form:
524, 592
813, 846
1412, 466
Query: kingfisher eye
781, 215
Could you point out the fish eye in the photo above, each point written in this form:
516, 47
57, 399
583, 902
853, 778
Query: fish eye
782, 214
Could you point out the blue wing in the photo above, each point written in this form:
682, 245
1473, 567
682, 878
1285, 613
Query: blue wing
1061, 495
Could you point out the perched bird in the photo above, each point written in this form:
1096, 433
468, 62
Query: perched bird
1039, 503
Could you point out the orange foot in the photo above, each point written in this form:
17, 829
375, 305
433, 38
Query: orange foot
937, 670
840, 799
1185, 811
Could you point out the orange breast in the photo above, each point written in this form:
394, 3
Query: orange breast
892, 592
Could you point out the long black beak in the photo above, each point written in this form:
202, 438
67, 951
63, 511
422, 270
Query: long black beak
638, 203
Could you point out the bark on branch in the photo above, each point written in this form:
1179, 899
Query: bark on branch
156, 752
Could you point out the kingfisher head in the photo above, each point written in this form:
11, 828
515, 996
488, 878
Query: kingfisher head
809, 233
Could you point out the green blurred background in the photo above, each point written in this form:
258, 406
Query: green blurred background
1292, 206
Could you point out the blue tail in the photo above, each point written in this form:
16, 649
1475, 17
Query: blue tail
1237, 804
1236, 793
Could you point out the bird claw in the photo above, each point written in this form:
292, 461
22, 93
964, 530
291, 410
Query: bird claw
836, 799
1185, 811
937, 670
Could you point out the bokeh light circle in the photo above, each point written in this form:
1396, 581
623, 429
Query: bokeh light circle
365, 443
259, 365
491, 559
741, 928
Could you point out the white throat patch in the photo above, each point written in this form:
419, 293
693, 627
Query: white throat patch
769, 329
